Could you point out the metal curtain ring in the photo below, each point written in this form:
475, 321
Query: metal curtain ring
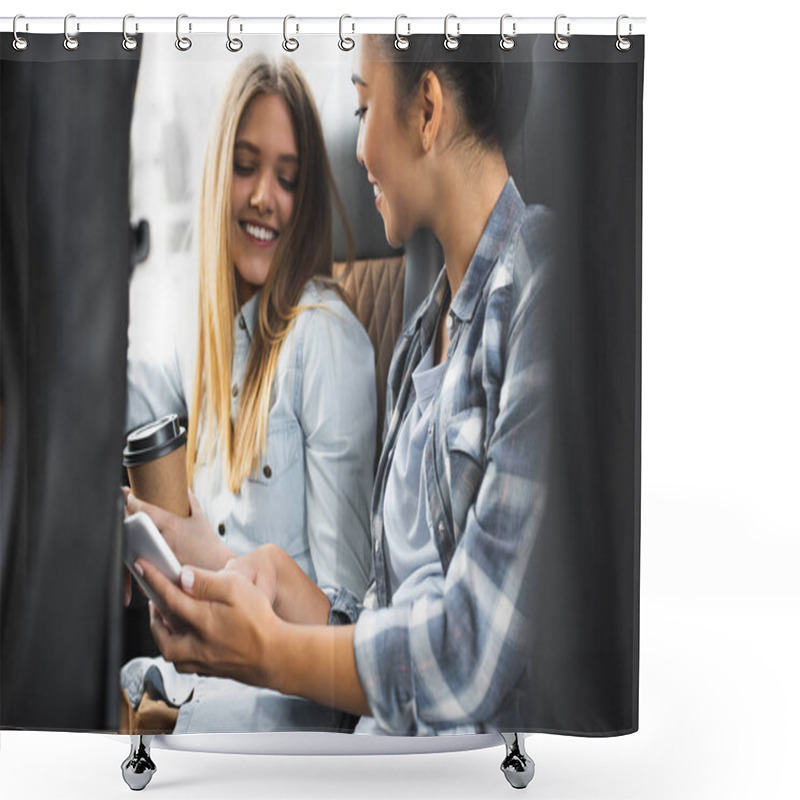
20, 42
451, 42
401, 42
345, 42
290, 44
70, 42
623, 44
183, 43
507, 42
560, 42
233, 44
128, 42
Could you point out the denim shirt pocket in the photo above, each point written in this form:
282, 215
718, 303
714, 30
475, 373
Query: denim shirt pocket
277, 490
466, 453
284, 446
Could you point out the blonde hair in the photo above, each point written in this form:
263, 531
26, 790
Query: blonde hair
304, 250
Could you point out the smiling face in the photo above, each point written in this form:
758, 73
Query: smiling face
265, 173
387, 148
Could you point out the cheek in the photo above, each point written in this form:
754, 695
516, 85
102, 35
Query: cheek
287, 207
239, 195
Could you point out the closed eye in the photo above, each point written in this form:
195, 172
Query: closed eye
360, 111
243, 169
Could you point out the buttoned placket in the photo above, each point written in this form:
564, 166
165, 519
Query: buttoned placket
241, 347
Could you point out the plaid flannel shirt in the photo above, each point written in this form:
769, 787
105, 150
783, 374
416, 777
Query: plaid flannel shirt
457, 658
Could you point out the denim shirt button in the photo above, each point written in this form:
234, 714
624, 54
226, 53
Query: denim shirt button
242, 323
267, 471
235, 390
221, 528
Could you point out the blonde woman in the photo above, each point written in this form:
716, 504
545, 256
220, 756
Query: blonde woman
281, 396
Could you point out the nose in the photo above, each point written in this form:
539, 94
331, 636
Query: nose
360, 145
263, 196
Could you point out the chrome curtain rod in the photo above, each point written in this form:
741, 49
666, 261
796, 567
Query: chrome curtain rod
348, 25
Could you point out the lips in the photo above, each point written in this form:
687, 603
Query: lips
259, 234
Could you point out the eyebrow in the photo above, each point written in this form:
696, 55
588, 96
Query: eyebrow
250, 147
358, 80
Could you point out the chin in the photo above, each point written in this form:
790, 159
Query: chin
395, 238
249, 282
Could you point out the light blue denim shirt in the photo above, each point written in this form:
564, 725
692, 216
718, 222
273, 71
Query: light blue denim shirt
413, 567
454, 659
310, 493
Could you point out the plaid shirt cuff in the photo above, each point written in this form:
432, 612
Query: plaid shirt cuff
384, 664
345, 607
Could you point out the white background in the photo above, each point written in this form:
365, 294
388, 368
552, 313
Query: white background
720, 440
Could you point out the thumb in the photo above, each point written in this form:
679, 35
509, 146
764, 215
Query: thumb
207, 585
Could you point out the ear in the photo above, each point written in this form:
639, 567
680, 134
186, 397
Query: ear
431, 99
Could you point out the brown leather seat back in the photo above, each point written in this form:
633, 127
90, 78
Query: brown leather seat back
375, 285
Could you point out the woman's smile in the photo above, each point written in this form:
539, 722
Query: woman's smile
259, 234
378, 194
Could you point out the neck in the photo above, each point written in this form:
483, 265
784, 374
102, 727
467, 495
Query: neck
465, 203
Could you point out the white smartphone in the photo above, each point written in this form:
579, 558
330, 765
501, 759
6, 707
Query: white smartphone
142, 539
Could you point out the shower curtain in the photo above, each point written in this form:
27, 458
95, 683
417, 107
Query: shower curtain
101, 157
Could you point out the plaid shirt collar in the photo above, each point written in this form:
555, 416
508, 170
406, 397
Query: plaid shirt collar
508, 207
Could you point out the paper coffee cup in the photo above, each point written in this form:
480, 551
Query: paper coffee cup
155, 457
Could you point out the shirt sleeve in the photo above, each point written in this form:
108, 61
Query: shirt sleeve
338, 417
455, 656
155, 388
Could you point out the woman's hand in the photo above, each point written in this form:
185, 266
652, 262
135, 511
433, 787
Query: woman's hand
191, 538
259, 567
294, 597
219, 624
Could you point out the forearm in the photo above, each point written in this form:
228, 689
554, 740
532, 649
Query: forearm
318, 663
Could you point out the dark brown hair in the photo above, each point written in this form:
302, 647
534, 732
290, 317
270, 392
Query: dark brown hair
492, 87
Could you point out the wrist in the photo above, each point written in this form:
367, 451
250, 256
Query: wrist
220, 557
279, 658
277, 556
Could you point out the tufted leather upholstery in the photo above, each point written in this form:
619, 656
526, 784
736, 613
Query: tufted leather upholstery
376, 288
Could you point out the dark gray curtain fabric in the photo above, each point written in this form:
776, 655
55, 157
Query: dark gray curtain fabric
582, 157
64, 139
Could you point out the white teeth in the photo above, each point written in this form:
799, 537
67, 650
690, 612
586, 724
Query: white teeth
376, 189
257, 232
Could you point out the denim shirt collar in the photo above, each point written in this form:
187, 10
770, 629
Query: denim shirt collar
249, 313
